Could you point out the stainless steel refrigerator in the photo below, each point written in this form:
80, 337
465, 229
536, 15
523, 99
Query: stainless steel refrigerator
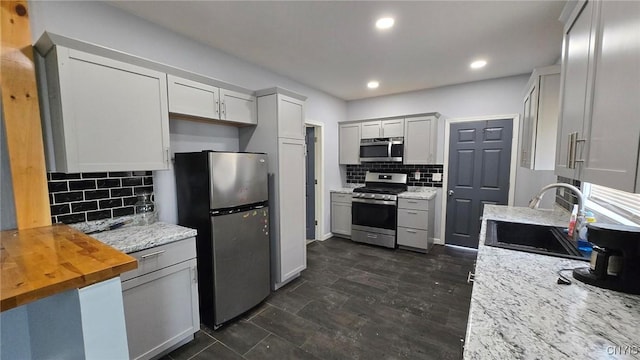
224, 196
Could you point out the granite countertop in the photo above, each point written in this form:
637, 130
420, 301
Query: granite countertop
518, 311
422, 193
130, 239
347, 189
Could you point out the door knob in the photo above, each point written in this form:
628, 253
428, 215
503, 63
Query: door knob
450, 192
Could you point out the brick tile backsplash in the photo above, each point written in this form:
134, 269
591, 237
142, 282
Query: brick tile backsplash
356, 173
569, 199
92, 196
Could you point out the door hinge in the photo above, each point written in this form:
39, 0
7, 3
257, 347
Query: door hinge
315, 182
315, 222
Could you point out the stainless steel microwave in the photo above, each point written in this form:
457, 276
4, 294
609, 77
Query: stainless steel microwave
384, 149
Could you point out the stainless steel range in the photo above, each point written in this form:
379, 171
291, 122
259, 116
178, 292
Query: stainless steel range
374, 209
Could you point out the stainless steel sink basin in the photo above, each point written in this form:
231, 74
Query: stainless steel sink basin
537, 239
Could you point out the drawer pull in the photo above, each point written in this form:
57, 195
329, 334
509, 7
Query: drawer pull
412, 212
412, 231
143, 257
412, 202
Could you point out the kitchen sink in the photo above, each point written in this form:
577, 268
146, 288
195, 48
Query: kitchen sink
537, 239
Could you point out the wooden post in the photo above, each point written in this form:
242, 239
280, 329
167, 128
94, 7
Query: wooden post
22, 117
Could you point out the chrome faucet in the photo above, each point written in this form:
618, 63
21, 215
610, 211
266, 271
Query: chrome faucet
536, 199
580, 219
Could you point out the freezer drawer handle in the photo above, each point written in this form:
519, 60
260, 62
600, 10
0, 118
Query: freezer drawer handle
143, 257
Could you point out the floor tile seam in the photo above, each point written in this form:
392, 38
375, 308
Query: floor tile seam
259, 342
287, 311
235, 352
205, 348
260, 312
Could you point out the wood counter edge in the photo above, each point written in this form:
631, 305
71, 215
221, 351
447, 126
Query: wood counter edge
108, 272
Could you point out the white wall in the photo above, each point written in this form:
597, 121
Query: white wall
107, 26
482, 98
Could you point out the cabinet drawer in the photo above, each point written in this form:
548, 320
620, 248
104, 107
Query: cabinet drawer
415, 219
413, 204
340, 197
160, 257
414, 238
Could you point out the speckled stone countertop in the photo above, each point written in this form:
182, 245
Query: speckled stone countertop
518, 311
422, 193
347, 189
130, 239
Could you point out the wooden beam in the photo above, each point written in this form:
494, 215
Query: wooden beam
22, 117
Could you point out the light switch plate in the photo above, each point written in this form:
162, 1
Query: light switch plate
437, 177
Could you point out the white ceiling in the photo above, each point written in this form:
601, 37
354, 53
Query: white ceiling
335, 47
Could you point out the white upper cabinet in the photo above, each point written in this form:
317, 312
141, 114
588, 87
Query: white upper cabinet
371, 129
349, 149
392, 128
602, 139
613, 130
290, 117
192, 98
106, 115
420, 140
540, 120
238, 107
575, 65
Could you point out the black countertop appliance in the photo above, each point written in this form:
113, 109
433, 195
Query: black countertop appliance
615, 261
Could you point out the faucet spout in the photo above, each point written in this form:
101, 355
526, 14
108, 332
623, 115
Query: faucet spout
536, 199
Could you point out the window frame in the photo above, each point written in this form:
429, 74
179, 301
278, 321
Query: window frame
608, 209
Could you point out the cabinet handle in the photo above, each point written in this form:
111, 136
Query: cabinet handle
224, 108
411, 231
411, 202
372, 236
412, 212
471, 277
195, 274
573, 150
217, 108
143, 257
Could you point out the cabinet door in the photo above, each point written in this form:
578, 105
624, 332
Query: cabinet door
613, 129
341, 218
290, 118
291, 187
528, 127
575, 66
393, 128
349, 144
161, 309
420, 140
192, 98
546, 124
371, 129
238, 107
112, 116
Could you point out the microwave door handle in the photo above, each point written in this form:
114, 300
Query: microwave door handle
389, 149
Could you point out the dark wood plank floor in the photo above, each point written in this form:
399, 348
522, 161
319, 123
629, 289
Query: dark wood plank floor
354, 301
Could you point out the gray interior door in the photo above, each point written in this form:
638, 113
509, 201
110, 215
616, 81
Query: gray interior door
479, 166
310, 183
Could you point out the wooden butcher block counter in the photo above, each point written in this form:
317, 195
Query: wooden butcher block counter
40, 262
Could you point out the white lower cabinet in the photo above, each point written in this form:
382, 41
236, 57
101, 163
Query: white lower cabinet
161, 299
341, 214
415, 224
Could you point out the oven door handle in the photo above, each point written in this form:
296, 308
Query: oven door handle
371, 201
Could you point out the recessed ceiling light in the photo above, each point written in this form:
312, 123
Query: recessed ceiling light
385, 23
478, 64
373, 84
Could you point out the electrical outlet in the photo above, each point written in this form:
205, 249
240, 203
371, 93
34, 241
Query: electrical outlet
417, 175
437, 177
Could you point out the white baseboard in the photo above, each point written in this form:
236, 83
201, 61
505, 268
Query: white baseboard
325, 236
438, 241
